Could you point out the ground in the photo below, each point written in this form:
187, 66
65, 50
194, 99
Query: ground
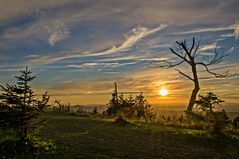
94, 138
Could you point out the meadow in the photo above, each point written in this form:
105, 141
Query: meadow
97, 138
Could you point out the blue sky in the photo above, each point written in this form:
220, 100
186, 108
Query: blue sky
80, 47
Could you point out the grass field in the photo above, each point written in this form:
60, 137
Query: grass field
92, 138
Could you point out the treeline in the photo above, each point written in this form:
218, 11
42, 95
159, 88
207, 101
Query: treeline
133, 108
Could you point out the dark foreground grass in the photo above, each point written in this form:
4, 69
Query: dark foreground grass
91, 138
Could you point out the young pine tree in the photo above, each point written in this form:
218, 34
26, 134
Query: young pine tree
112, 108
207, 102
19, 107
143, 108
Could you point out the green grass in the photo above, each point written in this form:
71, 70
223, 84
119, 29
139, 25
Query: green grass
91, 138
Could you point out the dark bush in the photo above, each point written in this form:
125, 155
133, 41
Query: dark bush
235, 123
121, 119
31, 148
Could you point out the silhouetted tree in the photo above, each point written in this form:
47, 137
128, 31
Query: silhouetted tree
95, 111
117, 105
189, 53
19, 107
112, 108
143, 109
207, 102
130, 107
63, 107
235, 122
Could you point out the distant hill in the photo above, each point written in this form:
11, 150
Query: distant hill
232, 111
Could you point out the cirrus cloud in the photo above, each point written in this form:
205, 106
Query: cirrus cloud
134, 36
57, 33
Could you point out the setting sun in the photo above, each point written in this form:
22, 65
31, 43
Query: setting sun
163, 92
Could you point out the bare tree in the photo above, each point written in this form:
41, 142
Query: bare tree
188, 52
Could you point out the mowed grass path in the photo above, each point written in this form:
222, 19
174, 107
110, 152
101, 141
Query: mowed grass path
92, 138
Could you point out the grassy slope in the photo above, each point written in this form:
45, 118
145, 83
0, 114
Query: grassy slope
79, 137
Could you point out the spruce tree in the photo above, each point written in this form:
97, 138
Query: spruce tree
207, 102
143, 108
19, 107
112, 108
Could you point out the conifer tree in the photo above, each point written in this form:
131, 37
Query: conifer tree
207, 102
143, 108
112, 108
19, 107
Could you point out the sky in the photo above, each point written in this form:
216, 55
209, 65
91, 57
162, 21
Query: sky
78, 48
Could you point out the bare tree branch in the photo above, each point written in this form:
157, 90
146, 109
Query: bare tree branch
217, 75
183, 45
196, 52
182, 57
219, 55
184, 74
192, 45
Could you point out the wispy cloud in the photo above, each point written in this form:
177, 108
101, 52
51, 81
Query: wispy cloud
227, 35
236, 31
212, 29
134, 36
234, 27
92, 65
57, 33
208, 47
122, 58
32, 56
110, 72
137, 34
85, 65
65, 82
17, 34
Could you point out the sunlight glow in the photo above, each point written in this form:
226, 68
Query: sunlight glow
163, 92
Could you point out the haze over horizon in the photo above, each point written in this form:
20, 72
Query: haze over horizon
79, 48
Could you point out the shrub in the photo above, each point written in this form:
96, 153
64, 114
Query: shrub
235, 122
217, 120
30, 148
121, 119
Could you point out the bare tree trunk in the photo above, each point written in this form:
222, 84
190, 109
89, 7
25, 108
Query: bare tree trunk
192, 99
195, 90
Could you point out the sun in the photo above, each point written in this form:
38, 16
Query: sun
163, 92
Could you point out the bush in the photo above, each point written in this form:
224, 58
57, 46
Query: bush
235, 123
121, 119
31, 148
